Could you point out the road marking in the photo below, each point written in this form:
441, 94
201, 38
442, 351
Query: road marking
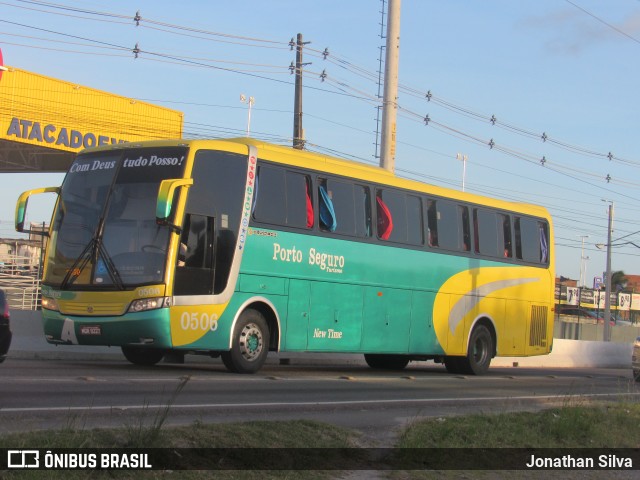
562, 398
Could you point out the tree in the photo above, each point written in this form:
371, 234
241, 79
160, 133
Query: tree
618, 281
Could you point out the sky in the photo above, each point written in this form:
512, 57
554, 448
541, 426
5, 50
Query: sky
541, 97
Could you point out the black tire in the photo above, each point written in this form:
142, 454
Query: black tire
636, 375
386, 362
142, 355
479, 353
249, 344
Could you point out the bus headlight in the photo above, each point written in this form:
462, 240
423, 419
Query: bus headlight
50, 304
145, 304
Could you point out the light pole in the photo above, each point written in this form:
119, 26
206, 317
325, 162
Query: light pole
250, 101
583, 259
463, 157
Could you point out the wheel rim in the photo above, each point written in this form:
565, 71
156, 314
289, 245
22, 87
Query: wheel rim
480, 350
251, 342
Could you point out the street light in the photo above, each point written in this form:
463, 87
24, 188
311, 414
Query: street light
250, 101
463, 157
583, 270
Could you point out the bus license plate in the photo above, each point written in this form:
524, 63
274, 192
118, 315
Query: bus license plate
90, 330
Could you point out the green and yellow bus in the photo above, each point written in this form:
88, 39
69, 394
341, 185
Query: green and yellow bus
236, 247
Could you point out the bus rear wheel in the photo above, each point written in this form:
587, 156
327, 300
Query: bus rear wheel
480, 352
142, 356
249, 344
386, 362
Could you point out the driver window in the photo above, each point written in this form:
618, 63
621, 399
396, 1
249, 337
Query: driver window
194, 271
194, 243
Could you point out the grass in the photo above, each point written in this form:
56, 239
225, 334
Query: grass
142, 434
610, 425
600, 426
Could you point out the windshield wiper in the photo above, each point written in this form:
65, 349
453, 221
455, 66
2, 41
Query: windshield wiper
93, 251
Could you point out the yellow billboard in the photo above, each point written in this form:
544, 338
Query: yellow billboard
47, 112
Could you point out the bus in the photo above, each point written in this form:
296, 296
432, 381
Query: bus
236, 247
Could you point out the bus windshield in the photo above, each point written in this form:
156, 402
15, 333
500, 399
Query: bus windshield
104, 231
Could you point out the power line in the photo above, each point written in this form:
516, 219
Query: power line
347, 89
139, 20
487, 119
613, 27
342, 86
492, 145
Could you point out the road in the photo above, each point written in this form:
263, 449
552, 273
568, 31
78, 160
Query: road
54, 393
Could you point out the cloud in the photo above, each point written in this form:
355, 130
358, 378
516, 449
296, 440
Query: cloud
572, 32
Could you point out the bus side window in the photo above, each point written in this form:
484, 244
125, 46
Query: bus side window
487, 231
532, 240
385, 221
415, 219
299, 208
476, 232
309, 204
399, 216
362, 198
463, 213
283, 198
327, 214
518, 235
544, 242
506, 235
432, 223
271, 205
448, 225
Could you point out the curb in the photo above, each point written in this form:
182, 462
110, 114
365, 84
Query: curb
28, 342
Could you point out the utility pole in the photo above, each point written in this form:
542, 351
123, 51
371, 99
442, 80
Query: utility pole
383, 25
607, 291
390, 99
298, 132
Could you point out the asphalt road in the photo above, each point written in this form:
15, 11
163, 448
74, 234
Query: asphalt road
54, 393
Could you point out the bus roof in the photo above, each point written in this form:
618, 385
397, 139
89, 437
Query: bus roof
325, 163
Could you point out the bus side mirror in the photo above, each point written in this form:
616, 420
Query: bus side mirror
164, 204
21, 208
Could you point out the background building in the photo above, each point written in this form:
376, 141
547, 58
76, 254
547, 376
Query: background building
44, 122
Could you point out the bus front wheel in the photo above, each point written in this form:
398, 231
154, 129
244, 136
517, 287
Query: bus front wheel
142, 355
249, 344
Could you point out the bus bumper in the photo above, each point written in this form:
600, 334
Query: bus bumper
150, 328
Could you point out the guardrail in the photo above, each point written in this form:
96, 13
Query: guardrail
21, 283
22, 294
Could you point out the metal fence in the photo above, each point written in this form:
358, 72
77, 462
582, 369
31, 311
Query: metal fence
20, 280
